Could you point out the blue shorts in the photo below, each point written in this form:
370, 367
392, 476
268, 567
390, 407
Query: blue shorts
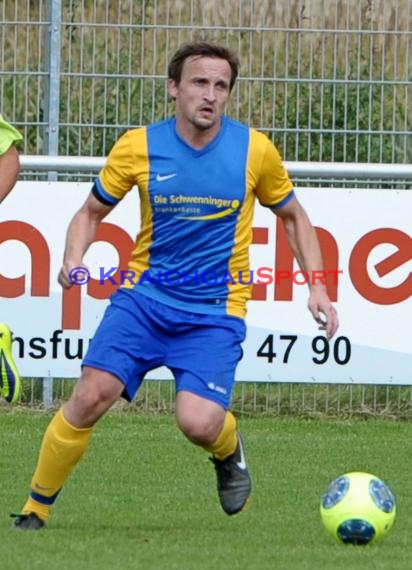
138, 334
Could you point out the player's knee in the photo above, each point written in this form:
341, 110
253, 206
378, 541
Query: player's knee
86, 398
200, 431
91, 398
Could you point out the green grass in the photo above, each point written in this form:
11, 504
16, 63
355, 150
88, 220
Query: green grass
144, 498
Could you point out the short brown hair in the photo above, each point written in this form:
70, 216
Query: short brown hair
203, 49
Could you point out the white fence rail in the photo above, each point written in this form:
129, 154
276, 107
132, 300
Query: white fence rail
306, 170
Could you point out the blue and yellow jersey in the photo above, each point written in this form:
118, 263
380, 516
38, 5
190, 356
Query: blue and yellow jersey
197, 206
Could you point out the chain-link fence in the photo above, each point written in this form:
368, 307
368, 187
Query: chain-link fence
254, 399
327, 79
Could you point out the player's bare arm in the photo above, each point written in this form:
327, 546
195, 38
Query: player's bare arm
80, 235
10, 169
305, 246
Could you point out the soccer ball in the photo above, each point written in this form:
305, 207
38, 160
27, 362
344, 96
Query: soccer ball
358, 508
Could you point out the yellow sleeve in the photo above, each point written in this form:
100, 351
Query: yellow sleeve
8, 135
126, 165
271, 180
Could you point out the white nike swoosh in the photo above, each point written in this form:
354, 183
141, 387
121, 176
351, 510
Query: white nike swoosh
161, 178
242, 463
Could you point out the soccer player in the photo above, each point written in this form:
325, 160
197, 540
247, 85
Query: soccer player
9, 157
10, 383
198, 175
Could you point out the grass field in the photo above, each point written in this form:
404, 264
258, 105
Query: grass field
144, 498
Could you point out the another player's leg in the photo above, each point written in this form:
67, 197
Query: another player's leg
10, 383
207, 424
65, 442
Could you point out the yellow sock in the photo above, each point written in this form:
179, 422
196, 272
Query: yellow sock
226, 441
62, 447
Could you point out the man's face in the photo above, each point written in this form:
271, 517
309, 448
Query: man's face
202, 92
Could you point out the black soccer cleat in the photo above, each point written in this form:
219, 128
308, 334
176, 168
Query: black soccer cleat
27, 522
233, 480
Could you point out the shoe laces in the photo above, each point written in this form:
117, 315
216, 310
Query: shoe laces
223, 467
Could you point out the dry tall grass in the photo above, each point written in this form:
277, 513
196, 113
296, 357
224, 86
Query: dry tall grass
260, 29
330, 59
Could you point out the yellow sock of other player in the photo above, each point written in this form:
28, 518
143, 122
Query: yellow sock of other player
62, 447
226, 442
10, 383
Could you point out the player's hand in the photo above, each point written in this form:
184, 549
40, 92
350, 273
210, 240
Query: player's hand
323, 311
73, 273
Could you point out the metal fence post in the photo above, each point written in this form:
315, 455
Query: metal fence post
52, 90
52, 112
47, 392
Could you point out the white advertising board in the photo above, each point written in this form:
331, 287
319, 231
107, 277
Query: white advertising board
367, 245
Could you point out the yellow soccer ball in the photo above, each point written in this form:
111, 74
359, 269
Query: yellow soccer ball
358, 508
